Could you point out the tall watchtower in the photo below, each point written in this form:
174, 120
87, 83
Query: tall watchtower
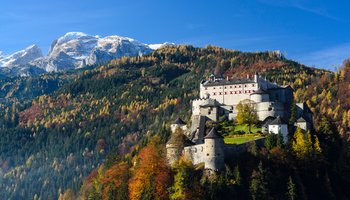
213, 151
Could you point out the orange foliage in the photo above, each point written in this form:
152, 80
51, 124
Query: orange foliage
151, 172
116, 175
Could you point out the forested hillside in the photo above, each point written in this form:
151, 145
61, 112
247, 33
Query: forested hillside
121, 111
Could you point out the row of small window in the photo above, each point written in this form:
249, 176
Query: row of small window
235, 92
239, 86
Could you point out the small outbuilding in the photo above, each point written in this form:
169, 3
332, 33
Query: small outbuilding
279, 126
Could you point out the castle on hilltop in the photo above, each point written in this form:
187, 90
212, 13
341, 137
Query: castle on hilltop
219, 98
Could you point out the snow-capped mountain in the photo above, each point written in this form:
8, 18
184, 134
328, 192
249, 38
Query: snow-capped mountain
157, 46
75, 50
20, 58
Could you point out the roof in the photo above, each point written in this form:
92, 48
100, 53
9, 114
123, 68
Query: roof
179, 121
209, 104
277, 121
259, 91
178, 140
301, 119
227, 82
212, 134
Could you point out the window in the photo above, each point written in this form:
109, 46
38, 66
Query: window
235, 86
240, 86
214, 88
225, 87
230, 86
245, 85
225, 93
214, 93
253, 85
207, 154
235, 92
220, 93
206, 88
231, 92
240, 92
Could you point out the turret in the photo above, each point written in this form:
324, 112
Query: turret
213, 149
178, 123
256, 77
176, 144
259, 96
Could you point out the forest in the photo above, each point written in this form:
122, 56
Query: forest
100, 132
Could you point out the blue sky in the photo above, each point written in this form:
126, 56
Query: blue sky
315, 33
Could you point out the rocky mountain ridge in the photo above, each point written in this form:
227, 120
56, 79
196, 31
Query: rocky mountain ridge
71, 51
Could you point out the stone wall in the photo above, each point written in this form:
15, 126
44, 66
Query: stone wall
195, 153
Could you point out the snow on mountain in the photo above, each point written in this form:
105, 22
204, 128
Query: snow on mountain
75, 50
22, 57
157, 46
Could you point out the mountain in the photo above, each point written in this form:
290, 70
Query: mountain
22, 57
71, 51
53, 142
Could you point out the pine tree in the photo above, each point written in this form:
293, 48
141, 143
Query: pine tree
280, 142
258, 185
270, 141
237, 175
291, 193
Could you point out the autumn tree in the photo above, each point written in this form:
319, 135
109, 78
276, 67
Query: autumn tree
246, 115
151, 178
115, 181
185, 184
303, 147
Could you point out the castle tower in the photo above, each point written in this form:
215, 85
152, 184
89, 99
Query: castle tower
176, 144
213, 151
173, 150
178, 123
260, 96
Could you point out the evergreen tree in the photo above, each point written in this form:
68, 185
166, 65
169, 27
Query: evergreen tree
270, 141
237, 175
291, 189
258, 185
280, 142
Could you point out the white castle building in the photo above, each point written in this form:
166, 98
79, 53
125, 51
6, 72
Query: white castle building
268, 98
219, 98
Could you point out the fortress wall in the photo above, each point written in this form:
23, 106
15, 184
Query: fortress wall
198, 102
232, 150
195, 153
210, 112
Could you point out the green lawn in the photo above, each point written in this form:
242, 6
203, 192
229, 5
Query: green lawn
246, 129
240, 139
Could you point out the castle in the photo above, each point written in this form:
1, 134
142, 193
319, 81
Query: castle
219, 98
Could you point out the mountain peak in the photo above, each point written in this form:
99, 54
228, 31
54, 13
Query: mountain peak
22, 57
77, 49
157, 46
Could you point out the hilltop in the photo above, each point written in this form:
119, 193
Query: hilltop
67, 130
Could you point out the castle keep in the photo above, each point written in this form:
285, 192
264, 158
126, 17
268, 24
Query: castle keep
219, 98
